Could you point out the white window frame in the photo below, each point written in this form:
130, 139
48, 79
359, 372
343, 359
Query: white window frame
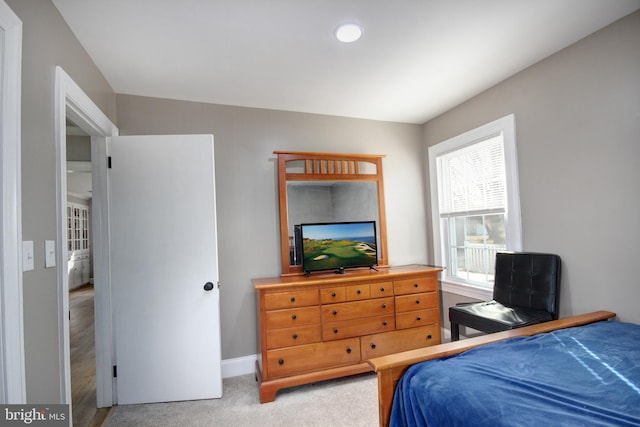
513, 222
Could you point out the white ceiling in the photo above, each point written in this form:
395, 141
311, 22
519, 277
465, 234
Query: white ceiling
416, 59
79, 184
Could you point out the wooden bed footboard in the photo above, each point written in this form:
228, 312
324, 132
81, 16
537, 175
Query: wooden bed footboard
390, 368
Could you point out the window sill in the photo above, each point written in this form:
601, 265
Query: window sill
467, 290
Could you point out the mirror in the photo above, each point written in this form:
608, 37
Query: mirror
325, 187
330, 201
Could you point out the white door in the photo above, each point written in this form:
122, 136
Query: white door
164, 268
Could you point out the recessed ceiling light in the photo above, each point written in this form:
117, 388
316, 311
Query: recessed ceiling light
348, 33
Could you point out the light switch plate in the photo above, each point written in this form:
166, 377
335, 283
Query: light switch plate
49, 253
27, 255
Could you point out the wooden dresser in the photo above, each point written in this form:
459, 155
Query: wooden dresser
328, 325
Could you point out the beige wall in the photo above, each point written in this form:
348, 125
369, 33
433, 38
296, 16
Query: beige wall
246, 187
578, 141
47, 42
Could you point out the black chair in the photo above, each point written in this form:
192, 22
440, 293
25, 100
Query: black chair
526, 292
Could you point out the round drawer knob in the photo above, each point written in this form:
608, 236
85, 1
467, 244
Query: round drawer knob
349, 350
385, 323
381, 289
333, 294
429, 337
415, 285
418, 318
373, 346
358, 292
335, 331
295, 336
417, 301
294, 317
281, 362
293, 299
334, 312
384, 305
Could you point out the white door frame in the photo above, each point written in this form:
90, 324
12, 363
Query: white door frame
12, 372
72, 102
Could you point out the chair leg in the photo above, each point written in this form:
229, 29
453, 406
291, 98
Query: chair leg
455, 331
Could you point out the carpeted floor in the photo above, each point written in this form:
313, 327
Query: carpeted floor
348, 402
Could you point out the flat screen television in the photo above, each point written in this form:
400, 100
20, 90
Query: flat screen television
338, 245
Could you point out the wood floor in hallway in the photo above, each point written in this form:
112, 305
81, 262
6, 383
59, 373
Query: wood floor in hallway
83, 359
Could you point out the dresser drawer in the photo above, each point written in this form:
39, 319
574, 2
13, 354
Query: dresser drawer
332, 295
357, 309
414, 302
357, 292
311, 357
413, 319
279, 338
397, 341
291, 299
278, 319
357, 327
381, 289
409, 286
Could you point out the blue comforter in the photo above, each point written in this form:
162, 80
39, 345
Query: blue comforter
585, 376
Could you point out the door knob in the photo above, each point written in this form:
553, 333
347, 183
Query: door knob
208, 286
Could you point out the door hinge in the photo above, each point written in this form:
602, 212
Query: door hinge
115, 371
109, 162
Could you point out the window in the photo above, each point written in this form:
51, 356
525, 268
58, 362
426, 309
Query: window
475, 205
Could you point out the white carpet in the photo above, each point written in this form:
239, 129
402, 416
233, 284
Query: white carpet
348, 402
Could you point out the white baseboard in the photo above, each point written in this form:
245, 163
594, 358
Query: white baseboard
446, 335
246, 365
239, 366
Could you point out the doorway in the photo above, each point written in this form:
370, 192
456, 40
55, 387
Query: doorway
74, 105
79, 191
200, 327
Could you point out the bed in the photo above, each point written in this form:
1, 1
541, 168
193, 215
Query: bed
579, 370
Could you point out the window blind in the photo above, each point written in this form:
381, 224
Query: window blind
473, 179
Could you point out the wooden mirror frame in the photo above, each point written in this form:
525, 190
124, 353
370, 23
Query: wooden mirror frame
328, 167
